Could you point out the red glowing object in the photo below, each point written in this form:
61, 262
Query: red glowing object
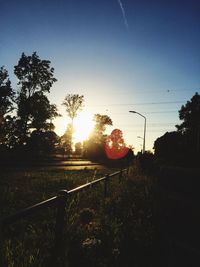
115, 147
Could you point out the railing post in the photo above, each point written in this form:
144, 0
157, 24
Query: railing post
127, 170
58, 249
106, 185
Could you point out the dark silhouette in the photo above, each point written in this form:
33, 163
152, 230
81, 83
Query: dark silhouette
115, 146
31, 125
182, 147
73, 104
33, 108
94, 147
66, 141
6, 106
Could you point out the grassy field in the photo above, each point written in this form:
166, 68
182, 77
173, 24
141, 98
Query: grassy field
112, 231
19, 189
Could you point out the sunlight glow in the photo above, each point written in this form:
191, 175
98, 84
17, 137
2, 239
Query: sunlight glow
83, 126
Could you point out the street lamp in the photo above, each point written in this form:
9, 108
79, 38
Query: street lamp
132, 111
142, 139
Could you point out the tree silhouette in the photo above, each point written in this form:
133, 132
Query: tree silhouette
101, 121
66, 140
6, 106
35, 78
190, 115
170, 146
94, 147
183, 146
41, 111
115, 145
73, 104
78, 148
42, 143
34, 74
6, 94
190, 127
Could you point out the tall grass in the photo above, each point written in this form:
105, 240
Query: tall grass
112, 231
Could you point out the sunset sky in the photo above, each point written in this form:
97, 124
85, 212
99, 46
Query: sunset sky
123, 55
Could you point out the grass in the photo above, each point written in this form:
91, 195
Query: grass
112, 231
19, 189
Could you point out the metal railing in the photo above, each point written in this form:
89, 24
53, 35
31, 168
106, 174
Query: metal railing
59, 202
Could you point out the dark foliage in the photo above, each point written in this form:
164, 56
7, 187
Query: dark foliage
183, 146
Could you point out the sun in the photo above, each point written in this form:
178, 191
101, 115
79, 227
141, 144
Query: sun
83, 126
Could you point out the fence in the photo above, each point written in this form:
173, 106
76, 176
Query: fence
59, 202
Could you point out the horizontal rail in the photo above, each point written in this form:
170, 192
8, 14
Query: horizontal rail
54, 200
84, 186
28, 211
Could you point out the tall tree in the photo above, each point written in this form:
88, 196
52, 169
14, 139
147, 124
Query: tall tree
35, 78
78, 148
34, 74
42, 113
6, 106
190, 115
183, 146
73, 104
66, 140
6, 94
94, 148
101, 121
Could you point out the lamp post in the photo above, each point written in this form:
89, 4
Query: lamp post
132, 111
142, 139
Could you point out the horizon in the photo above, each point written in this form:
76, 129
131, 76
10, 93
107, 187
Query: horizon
121, 55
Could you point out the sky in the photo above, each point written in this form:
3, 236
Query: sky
138, 55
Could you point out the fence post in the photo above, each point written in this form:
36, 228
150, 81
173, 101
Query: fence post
127, 170
58, 249
106, 185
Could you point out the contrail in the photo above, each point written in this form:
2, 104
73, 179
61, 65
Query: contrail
123, 13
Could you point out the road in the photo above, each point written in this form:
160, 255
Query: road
70, 165
54, 165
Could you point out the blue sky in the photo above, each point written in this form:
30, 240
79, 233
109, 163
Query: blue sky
145, 59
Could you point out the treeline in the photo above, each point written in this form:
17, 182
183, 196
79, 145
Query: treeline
182, 147
26, 113
26, 116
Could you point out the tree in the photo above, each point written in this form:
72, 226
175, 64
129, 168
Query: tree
73, 104
41, 111
94, 147
42, 143
101, 121
34, 74
6, 94
78, 148
66, 140
170, 147
35, 78
115, 145
6, 106
183, 146
190, 115
190, 127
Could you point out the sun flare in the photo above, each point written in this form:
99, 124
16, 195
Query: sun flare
83, 126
